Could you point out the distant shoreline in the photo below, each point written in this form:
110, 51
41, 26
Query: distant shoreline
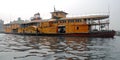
117, 33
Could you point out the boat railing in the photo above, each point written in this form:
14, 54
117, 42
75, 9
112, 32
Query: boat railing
98, 22
101, 30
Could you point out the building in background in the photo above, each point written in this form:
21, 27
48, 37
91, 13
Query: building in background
1, 25
118, 33
19, 21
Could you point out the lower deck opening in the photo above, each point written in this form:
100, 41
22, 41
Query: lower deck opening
61, 29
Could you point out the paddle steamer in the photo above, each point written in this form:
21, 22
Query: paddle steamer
60, 25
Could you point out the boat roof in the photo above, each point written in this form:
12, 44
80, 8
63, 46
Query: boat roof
59, 12
37, 21
91, 17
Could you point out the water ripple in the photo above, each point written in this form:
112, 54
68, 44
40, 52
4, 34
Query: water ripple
57, 48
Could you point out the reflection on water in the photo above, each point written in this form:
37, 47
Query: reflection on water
56, 48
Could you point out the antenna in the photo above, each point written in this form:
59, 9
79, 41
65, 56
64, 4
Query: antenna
108, 9
108, 14
54, 8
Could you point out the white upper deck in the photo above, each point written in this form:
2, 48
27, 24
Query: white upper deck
91, 17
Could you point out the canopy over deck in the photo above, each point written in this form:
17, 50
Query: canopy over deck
91, 17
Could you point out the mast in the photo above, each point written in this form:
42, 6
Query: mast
108, 14
54, 8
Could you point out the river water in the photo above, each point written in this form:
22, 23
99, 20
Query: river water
17, 47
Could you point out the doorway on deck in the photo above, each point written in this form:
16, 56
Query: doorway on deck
14, 30
61, 29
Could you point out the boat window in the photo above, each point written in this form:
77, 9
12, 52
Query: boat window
88, 19
64, 21
55, 22
37, 24
77, 28
22, 25
56, 13
78, 20
85, 19
70, 21
61, 21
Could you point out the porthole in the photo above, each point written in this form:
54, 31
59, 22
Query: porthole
77, 28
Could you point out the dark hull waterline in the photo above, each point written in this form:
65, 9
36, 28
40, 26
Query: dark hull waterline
90, 34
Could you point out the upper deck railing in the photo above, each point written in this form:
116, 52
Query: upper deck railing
97, 22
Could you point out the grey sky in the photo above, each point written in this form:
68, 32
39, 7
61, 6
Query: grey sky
12, 9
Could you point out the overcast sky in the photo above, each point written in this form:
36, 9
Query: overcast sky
12, 9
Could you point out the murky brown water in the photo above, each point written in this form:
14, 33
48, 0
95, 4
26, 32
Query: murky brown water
16, 47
